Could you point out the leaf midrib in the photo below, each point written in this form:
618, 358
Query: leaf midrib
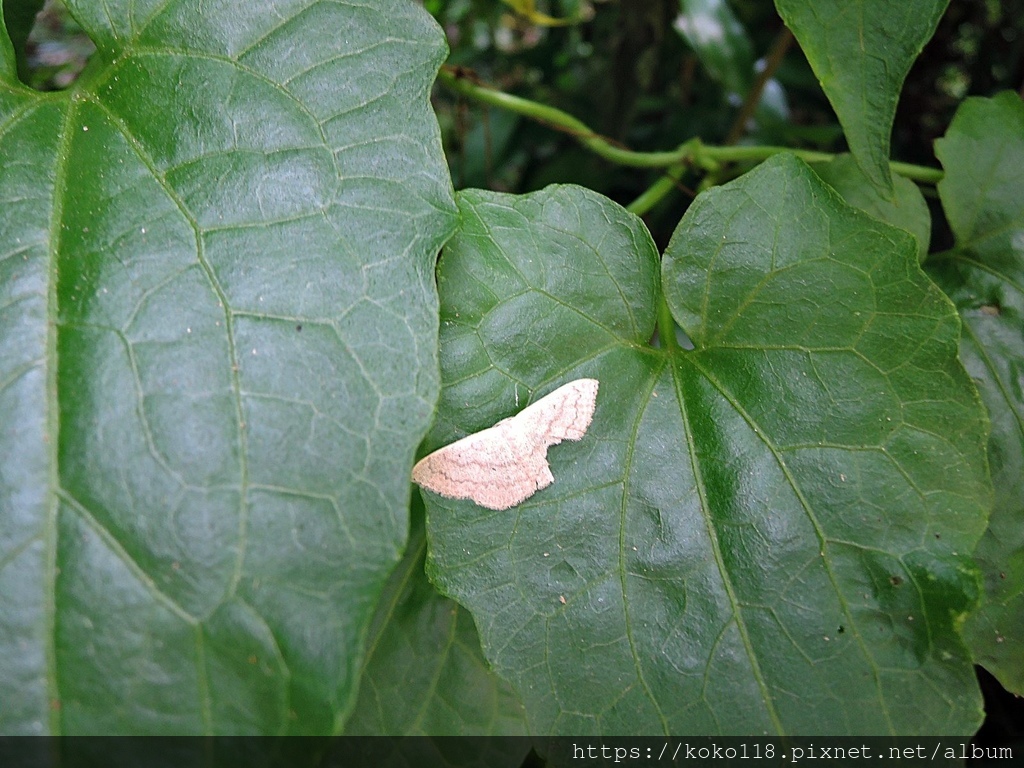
56, 490
823, 540
53, 423
698, 476
623, 509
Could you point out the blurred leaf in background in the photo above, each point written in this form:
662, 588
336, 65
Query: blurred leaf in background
57, 49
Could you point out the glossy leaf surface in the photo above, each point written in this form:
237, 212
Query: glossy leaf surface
217, 356
767, 533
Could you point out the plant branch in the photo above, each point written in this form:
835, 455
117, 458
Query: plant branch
665, 184
460, 82
772, 61
692, 152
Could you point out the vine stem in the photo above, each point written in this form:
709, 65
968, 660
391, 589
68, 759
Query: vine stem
666, 326
460, 82
663, 186
692, 152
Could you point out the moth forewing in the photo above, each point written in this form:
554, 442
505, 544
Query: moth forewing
502, 466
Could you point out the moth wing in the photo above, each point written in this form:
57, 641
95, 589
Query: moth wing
504, 465
490, 467
564, 414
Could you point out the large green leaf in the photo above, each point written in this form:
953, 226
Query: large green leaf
768, 533
861, 52
983, 196
217, 356
425, 674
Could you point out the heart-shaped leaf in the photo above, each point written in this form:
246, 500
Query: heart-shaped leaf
767, 533
217, 356
861, 52
983, 196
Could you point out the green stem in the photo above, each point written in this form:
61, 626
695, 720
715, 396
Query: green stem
559, 120
692, 152
666, 327
921, 173
654, 193
659, 189
757, 153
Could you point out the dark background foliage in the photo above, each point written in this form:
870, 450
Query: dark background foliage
630, 75
627, 71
